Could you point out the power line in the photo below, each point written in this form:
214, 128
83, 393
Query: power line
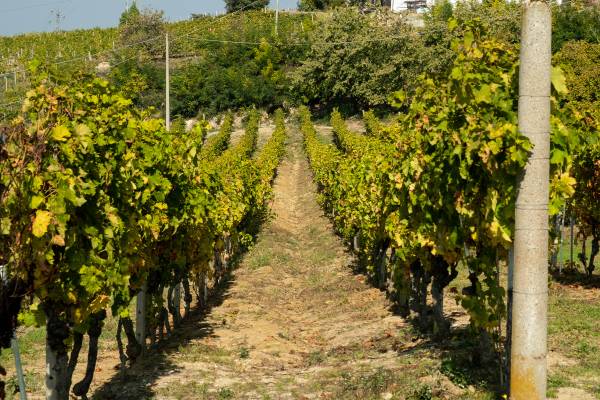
106, 52
250, 43
215, 21
159, 37
305, 43
113, 65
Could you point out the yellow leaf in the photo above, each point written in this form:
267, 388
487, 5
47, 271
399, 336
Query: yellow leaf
41, 222
72, 298
567, 184
58, 240
559, 81
77, 315
114, 219
99, 302
60, 133
82, 130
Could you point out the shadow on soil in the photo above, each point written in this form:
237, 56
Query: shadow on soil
571, 276
466, 360
136, 382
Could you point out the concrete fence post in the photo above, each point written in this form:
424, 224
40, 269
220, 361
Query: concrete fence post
530, 281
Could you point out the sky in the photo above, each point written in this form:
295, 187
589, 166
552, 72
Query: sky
21, 16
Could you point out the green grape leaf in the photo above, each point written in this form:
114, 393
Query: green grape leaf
35, 202
5, 226
484, 94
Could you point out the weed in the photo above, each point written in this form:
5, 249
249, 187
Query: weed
316, 357
260, 260
225, 393
555, 381
244, 352
423, 392
364, 386
456, 374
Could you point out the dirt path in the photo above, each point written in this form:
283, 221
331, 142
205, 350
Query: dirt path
293, 301
294, 321
265, 130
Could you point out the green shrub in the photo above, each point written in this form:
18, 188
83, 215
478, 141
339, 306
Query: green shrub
357, 61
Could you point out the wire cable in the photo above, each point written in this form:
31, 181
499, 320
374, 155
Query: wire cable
106, 52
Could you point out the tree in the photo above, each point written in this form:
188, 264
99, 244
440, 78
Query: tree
237, 5
131, 13
575, 20
141, 34
143, 31
312, 5
358, 61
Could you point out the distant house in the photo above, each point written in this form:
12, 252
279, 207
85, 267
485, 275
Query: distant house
408, 5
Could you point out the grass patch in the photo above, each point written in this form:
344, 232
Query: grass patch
564, 253
200, 352
190, 390
265, 255
244, 352
315, 358
574, 332
577, 336
225, 394
556, 381
369, 385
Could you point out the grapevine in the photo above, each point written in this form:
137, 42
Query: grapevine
100, 201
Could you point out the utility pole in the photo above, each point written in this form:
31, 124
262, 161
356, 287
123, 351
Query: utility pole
277, 18
530, 286
167, 84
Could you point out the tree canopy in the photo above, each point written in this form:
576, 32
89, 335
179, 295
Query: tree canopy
131, 13
311, 5
235, 5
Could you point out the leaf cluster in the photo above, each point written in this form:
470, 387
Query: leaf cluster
440, 182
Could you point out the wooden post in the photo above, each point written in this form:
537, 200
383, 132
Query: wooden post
572, 221
176, 304
509, 303
167, 88
140, 317
14, 345
560, 241
277, 18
